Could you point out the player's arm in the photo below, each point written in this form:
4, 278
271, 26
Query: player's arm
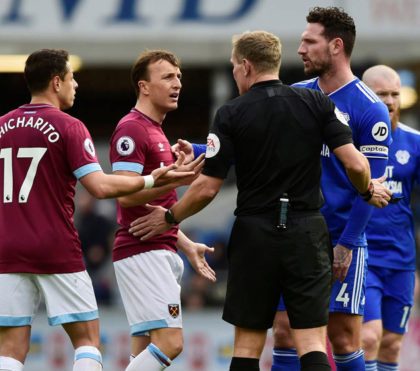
101, 185
191, 150
195, 253
146, 195
201, 192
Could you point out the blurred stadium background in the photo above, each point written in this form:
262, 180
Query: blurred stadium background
106, 36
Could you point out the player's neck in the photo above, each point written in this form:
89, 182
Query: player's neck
44, 98
335, 78
150, 111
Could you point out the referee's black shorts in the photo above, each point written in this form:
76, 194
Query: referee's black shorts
265, 262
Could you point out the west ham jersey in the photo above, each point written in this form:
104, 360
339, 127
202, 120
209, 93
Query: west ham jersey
43, 152
138, 144
390, 232
369, 120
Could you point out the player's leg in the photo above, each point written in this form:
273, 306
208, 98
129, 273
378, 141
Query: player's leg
84, 336
138, 344
19, 302
153, 306
397, 303
14, 346
285, 357
372, 320
71, 302
346, 311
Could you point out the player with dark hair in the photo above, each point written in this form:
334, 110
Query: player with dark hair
43, 152
149, 272
325, 49
279, 243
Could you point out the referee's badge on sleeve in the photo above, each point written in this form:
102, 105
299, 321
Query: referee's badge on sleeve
173, 310
213, 145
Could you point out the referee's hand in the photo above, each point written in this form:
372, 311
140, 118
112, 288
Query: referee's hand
342, 260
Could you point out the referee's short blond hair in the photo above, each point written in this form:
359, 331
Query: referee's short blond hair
261, 48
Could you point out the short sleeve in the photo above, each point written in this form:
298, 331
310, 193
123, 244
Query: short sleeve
128, 147
80, 150
373, 136
220, 148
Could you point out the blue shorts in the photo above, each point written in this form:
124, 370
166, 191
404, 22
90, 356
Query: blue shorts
389, 297
349, 296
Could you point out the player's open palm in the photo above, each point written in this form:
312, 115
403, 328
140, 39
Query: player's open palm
169, 174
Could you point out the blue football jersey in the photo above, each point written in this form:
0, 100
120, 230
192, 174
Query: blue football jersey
390, 232
344, 210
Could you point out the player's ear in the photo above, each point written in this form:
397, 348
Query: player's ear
336, 45
55, 83
143, 87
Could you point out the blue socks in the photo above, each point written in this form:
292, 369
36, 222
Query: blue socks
285, 359
350, 361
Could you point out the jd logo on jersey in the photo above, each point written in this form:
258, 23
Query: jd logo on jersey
380, 131
173, 310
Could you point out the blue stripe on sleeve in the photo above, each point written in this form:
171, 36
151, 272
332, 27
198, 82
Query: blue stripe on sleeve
86, 169
128, 166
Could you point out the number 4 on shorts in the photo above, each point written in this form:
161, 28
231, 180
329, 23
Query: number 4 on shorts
343, 296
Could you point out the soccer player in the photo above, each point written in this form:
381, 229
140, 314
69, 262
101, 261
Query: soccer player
391, 238
149, 272
325, 49
43, 152
279, 242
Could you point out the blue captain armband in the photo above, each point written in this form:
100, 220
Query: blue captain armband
198, 149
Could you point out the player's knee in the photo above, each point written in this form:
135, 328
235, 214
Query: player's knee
391, 346
281, 331
282, 336
370, 340
343, 343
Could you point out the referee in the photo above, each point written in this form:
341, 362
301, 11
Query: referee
279, 242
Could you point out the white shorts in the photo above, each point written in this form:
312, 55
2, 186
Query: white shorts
68, 297
149, 284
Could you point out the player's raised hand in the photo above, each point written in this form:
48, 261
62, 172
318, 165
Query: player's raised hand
183, 146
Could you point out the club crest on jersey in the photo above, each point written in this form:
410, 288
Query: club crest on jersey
380, 131
173, 310
125, 146
341, 116
402, 156
89, 148
213, 145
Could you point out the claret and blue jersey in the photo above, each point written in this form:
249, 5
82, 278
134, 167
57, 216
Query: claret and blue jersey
368, 118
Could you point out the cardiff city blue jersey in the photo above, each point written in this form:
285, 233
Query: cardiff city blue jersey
390, 232
344, 210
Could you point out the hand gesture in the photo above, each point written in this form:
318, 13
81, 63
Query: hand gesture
342, 260
381, 195
151, 224
196, 257
183, 146
167, 174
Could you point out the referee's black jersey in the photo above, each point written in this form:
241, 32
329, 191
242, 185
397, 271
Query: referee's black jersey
273, 134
